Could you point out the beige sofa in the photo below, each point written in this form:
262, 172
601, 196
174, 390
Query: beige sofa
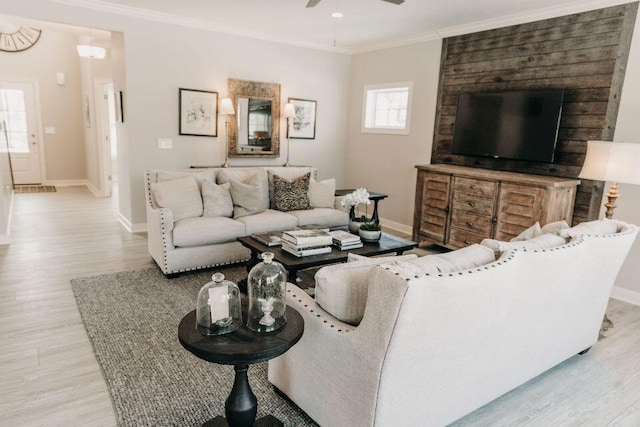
432, 347
200, 242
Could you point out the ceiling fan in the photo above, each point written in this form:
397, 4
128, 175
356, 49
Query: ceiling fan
312, 3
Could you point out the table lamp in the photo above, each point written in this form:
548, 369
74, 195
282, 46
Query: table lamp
289, 112
226, 109
615, 162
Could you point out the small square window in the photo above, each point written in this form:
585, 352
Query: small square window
387, 108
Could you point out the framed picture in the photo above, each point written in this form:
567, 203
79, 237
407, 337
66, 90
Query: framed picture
198, 112
303, 124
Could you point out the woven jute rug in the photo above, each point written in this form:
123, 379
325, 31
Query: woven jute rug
34, 189
132, 320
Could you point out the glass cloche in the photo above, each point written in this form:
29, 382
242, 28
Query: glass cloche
266, 285
218, 311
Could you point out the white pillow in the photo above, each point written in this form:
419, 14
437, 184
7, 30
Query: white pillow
555, 227
341, 289
529, 233
244, 174
180, 195
322, 193
247, 196
200, 175
543, 241
602, 227
461, 259
217, 199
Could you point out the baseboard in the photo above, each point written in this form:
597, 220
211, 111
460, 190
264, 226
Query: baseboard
140, 227
626, 295
93, 189
396, 227
67, 182
5, 239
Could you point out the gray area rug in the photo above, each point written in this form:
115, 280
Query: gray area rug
132, 320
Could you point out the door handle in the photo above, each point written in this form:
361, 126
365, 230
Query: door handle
470, 224
472, 204
473, 187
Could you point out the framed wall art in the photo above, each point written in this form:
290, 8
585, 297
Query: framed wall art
198, 112
303, 124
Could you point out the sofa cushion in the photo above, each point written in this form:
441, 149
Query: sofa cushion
341, 289
180, 195
461, 259
323, 216
199, 175
322, 194
269, 220
603, 226
216, 199
206, 231
291, 195
554, 227
289, 173
529, 233
247, 196
242, 175
541, 242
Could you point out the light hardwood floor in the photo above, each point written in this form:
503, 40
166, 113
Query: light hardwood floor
49, 375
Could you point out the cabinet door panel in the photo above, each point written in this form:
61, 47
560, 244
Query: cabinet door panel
434, 206
519, 207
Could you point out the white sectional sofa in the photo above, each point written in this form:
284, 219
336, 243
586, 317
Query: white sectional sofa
195, 241
432, 346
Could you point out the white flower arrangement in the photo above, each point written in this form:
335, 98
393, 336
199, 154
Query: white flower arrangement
355, 198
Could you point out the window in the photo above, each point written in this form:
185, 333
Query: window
387, 108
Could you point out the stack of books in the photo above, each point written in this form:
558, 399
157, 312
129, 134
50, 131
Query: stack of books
306, 242
345, 240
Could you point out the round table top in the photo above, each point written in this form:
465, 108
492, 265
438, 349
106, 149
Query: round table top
242, 346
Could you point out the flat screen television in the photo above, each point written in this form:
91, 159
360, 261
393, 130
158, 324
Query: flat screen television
520, 125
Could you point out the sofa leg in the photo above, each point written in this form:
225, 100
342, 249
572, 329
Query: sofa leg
172, 275
584, 351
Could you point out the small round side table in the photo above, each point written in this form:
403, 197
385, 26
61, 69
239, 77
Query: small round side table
241, 348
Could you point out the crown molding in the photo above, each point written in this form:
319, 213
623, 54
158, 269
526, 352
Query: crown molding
167, 18
456, 30
491, 24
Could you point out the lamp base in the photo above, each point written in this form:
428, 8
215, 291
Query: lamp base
286, 165
612, 195
225, 164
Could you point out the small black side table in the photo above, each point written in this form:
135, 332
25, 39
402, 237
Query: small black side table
375, 197
241, 348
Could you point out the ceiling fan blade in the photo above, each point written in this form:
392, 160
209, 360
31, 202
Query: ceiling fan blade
312, 3
394, 1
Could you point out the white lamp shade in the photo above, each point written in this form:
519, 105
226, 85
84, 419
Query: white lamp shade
289, 110
89, 51
226, 107
612, 161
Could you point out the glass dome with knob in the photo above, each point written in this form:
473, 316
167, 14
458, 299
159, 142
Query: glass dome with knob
266, 285
218, 310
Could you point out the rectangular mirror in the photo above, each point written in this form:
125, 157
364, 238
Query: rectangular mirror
255, 130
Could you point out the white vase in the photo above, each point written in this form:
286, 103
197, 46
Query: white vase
370, 235
354, 225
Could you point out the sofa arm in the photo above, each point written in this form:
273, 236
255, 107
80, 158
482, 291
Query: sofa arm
159, 234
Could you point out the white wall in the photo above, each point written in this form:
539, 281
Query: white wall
159, 58
60, 105
628, 130
386, 163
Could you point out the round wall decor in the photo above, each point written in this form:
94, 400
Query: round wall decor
20, 40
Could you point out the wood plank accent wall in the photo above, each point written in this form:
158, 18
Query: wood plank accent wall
585, 54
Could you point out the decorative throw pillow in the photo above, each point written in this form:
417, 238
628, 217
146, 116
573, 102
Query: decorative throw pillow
322, 194
555, 227
543, 241
529, 233
247, 196
461, 259
180, 195
603, 226
217, 199
242, 175
289, 172
342, 289
200, 176
291, 195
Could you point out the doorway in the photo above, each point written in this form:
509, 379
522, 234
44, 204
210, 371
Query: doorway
107, 136
19, 114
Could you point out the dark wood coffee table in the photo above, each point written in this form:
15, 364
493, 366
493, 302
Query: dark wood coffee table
387, 244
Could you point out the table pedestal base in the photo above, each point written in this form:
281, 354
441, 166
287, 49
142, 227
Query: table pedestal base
268, 421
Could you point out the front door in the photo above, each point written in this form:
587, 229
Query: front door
18, 112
